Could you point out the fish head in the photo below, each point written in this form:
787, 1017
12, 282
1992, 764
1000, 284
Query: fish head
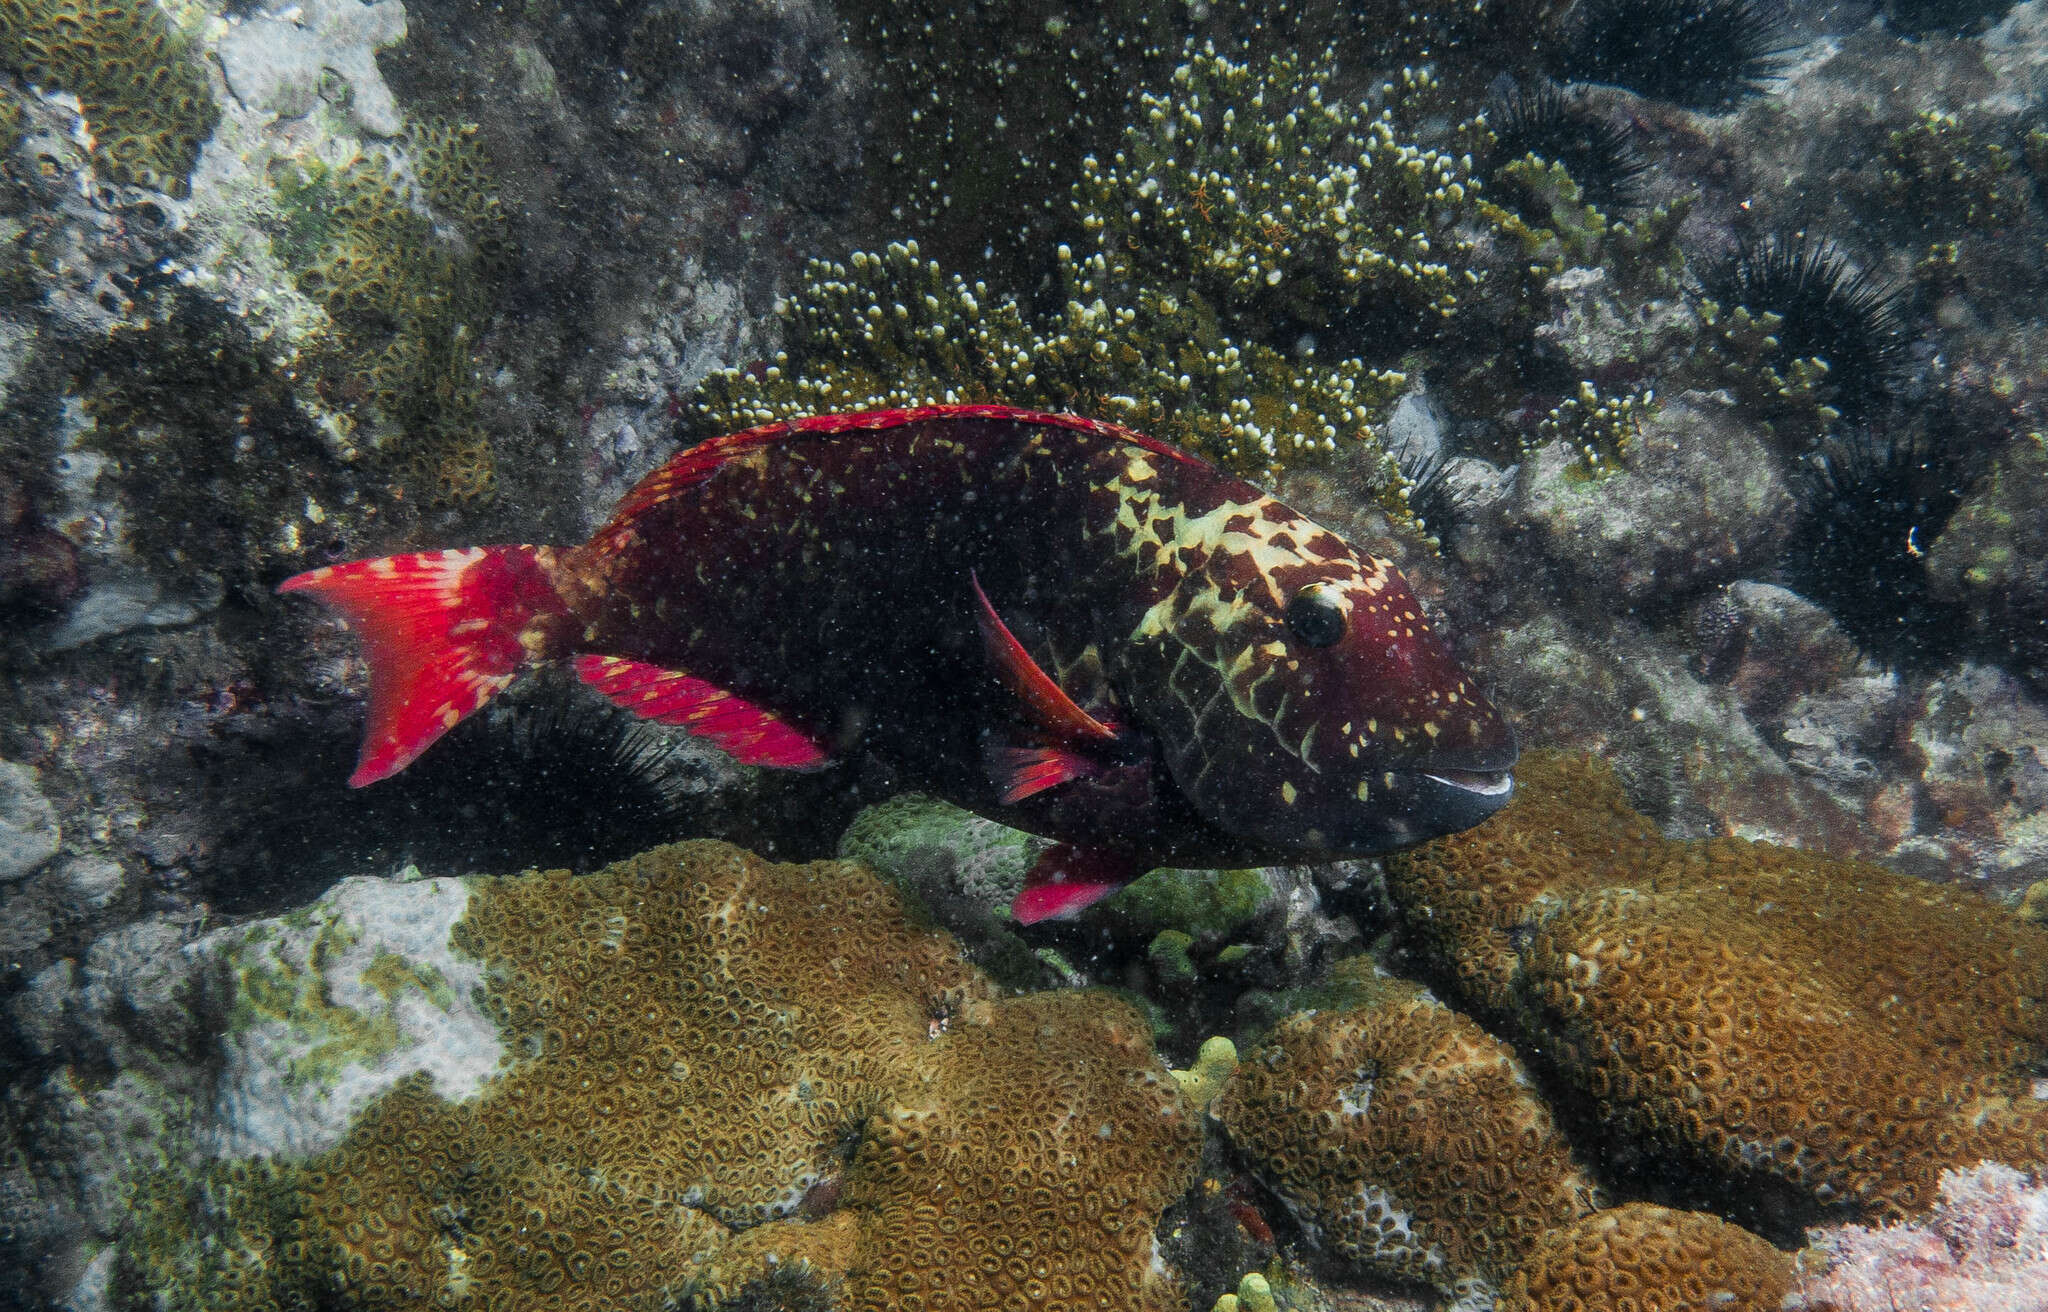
1301, 699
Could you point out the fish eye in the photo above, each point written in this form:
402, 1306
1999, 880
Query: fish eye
1316, 616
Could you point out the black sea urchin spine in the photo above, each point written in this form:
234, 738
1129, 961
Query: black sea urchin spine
1546, 122
1828, 310
1703, 54
1872, 506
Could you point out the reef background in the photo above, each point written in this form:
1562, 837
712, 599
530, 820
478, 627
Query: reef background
281, 285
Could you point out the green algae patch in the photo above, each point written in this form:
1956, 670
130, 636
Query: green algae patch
1196, 902
327, 1037
391, 975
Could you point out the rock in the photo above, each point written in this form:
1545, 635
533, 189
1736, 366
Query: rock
1770, 646
261, 1038
1594, 328
123, 605
1804, 684
1689, 754
333, 1006
1697, 499
1980, 1250
28, 823
1992, 557
283, 60
1979, 741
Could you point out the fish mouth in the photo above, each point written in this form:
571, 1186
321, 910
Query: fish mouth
1483, 783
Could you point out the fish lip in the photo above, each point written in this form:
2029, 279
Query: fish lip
1480, 783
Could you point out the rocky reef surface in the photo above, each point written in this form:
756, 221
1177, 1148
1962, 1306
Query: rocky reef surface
1698, 390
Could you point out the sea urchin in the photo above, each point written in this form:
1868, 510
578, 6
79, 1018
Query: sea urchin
1563, 129
1828, 310
1872, 506
1703, 54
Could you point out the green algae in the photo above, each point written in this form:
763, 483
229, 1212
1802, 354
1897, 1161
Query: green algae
1201, 903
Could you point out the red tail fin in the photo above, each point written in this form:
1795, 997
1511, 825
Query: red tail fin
442, 631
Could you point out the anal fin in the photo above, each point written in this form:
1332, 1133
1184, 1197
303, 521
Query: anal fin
751, 734
1066, 880
1019, 772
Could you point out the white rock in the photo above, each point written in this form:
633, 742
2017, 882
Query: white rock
275, 61
332, 1006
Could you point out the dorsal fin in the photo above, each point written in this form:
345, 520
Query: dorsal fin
688, 468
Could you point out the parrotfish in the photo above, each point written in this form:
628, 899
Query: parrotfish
1057, 622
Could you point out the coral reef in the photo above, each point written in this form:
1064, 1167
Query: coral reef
723, 1070
1650, 1258
1980, 1249
397, 363
1405, 1140
138, 84
1737, 1008
1214, 249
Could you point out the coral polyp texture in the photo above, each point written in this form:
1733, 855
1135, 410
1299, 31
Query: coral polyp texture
1640, 1257
140, 89
1246, 205
730, 1078
397, 362
1812, 1035
1405, 1140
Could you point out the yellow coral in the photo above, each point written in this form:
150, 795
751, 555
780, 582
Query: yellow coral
402, 302
1644, 1258
736, 1078
142, 94
1823, 1030
1407, 1138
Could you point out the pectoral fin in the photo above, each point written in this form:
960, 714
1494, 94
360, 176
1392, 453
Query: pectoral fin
1045, 702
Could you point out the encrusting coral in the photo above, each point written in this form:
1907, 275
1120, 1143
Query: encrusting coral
1640, 1257
1244, 204
1816, 1034
731, 1077
140, 90
1405, 1140
404, 305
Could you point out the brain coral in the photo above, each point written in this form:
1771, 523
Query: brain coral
1819, 1034
1643, 1258
141, 93
1405, 1139
735, 1078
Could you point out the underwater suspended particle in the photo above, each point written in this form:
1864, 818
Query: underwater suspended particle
1956, 17
1871, 506
1702, 54
1551, 124
555, 779
1828, 310
1060, 623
